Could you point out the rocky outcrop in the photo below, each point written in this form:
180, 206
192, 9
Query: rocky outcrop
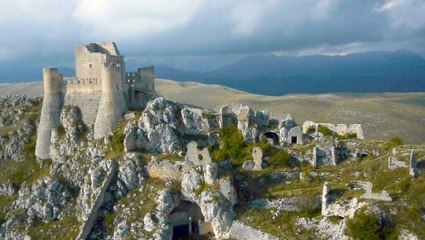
241, 231
216, 208
249, 123
45, 200
166, 127
17, 124
324, 228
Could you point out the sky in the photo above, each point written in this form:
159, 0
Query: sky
202, 34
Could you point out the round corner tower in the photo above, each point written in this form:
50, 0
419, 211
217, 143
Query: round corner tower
50, 112
112, 103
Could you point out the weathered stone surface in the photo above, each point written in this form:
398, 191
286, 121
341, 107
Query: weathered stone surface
413, 172
215, 207
130, 140
197, 157
406, 235
324, 155
248, 165
166, 170
393, 163
241, 231
45, 200
210, 173
344, 209
340, 129
290, 204
324, 228
257, 155
247, 121
8, 188
132, 174
367, 186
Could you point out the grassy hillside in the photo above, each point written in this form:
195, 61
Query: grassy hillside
382, 115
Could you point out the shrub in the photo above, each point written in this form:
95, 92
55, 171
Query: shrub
395, 141
311, 129
324, 130
209, 115
232, 146
368, 227
280, 157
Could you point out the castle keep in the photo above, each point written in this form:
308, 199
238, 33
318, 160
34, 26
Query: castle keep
101, 89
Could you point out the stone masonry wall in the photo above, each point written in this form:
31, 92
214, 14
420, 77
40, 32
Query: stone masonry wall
50, 118
111, 107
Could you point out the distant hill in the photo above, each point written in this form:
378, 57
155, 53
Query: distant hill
22, 73
369, 72
398, 71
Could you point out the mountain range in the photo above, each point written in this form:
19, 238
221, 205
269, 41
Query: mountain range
396, 71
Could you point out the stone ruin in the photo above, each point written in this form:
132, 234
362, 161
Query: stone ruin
394, 162
328, 154
339, 129
197, 157
413, 172
324, 156
367, 186
101, 89
344, 209
254, 165
290, 132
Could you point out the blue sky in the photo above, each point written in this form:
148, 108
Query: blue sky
189, 33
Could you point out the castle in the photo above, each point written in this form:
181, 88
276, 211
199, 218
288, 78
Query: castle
101, 89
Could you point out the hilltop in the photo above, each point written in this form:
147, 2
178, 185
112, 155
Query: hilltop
382, 115
237, 172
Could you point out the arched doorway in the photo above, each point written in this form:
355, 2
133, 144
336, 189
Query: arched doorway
188, 222
272, 137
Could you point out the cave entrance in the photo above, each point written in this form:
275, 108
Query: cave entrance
272, 138
294, 140
188, 222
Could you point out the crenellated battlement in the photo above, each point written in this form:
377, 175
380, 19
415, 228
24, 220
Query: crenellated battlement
80, 81
101, 89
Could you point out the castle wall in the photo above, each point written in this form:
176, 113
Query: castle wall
112, 102
50, 112
147, 77
90, 59
85, 94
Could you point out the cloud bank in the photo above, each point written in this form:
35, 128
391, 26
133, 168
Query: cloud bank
45, 31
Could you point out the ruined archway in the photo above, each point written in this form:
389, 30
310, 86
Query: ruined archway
272, 137
188, 221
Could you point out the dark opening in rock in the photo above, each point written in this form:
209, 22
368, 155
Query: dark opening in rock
187, 221
272, 137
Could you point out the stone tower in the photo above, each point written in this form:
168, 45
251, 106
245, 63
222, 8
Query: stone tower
50, 112
112, 103
101, 89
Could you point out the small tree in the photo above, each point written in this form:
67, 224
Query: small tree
395, 141
368, 227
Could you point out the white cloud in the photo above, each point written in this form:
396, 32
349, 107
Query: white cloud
405, 13
323, 8
390, 4
246, 16
133, 18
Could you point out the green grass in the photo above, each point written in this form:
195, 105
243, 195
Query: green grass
68, 228
367, 227
20, 171
209, 115
5, 206
325, 131
145, 200
395, 141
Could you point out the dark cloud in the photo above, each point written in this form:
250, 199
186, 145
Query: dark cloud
192, 32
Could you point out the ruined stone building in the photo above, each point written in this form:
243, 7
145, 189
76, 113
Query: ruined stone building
102, 90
